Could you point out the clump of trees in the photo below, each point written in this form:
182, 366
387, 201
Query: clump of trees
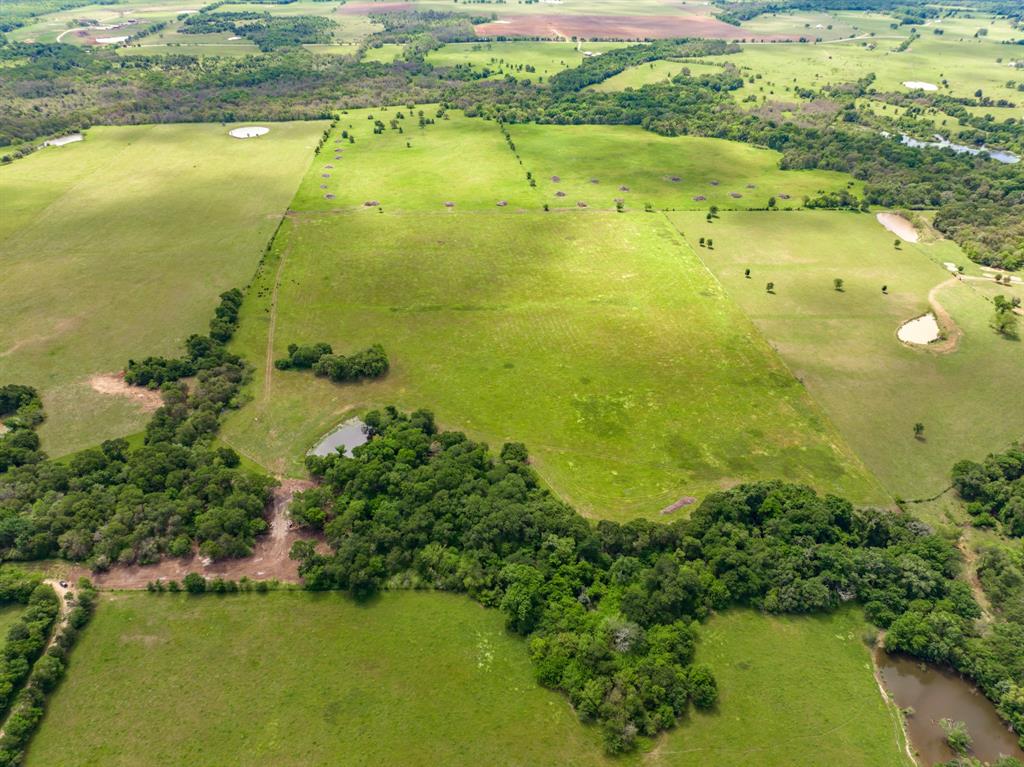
266, 31
202, 352
21, 411
369, 363
994, 490
611, 611
1005, 319
179, 490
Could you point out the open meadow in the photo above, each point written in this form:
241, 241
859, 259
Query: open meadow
418, 678
957, 65
512, 58
591, 164
843, 345
117, 246
596, 338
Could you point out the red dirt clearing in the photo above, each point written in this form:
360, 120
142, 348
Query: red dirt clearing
615, 27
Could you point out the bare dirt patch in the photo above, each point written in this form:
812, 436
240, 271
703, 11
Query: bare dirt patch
269, 558
614, 27
114, 385
898, 225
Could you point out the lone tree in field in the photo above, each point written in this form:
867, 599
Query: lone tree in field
1004, 322
919, 430
896, 243
746, 273
837, 283
885, 289
711, 243
702, 242
770, 287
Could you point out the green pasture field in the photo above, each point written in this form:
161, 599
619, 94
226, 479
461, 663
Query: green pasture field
48, 28
458, 159
548, 58
646, 163
809, 24
965, 64
425, 679
172, 41
598, 339
385, 54
654, 72
843, 345
117, 247
792, 691
292, 678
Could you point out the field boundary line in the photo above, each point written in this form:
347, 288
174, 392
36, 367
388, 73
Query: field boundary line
268, 364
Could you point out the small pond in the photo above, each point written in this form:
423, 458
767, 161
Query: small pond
935, 694
349, 435
998, 155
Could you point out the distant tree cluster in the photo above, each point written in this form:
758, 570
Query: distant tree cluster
266, 31
112, 504
369, 363
611, 610
994, 490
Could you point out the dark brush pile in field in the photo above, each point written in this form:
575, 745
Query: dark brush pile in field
113, 504
611, 610
369, 363
994, 490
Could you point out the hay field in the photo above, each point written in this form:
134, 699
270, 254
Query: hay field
844, 345
117, 246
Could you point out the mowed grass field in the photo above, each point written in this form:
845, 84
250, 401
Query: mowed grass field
843, 345
293, 678
117, 247
594, 162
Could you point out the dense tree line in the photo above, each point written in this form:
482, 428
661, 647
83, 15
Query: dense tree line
994, 490
611, 610
600, 68
112, 504
29, 705
27, 637
368, 363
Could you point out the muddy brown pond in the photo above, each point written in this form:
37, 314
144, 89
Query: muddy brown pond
935, 694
